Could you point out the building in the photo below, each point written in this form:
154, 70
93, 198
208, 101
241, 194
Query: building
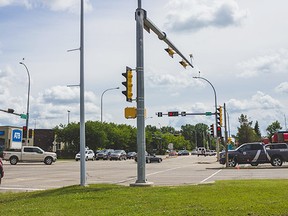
14, 137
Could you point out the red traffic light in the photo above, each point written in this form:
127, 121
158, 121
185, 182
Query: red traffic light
173, 113
219, 132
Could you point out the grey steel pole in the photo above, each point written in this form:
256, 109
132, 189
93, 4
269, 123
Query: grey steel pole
215, 98
28, 99
68, 116
141, 145
102, 101
82, 107
226, 135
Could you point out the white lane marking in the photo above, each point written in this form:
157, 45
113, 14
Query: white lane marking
204, 180
24, 189
150, 174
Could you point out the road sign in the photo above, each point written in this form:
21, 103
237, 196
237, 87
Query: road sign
23, 116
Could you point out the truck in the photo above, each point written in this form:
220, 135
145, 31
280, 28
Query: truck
29, 154
256, 153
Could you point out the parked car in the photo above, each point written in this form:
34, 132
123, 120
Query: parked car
151, 158
89, 155
173, 153
131, 155
118, 155
210, 152
183, 152
104, 154
194, 152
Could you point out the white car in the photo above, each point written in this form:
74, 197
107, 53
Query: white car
89, 155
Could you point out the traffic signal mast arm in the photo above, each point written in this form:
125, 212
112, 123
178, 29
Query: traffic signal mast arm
162, 36
11, 111
176, 113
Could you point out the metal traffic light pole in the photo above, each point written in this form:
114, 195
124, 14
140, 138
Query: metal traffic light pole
141, 144
142, 22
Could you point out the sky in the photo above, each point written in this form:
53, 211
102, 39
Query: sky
240, 47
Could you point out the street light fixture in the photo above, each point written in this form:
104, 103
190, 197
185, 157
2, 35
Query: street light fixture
102, 100
215, 96
27, 112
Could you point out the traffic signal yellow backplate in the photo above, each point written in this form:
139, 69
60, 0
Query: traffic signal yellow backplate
130, 112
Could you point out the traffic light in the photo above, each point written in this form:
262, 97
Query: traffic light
183, 63
174, 113
128, 84
212, 130
159, 114
30, 135
10, 110
219, 132
219, 117
170, 51
24, 130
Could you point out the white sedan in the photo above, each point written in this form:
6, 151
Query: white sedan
89, 155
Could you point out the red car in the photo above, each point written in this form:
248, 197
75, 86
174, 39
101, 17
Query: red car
1, 170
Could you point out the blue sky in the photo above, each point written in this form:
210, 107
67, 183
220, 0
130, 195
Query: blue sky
241, 47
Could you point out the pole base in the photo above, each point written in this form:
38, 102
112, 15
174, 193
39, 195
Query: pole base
142, 184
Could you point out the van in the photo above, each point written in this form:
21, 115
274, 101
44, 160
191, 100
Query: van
201, 151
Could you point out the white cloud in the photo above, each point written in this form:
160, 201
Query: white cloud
193, 15
256, 102
169, 80
276, 62
282, 88
54, 5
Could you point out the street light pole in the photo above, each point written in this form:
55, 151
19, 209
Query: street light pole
215, 97
82, 105
68, 116
102, 101
28, 99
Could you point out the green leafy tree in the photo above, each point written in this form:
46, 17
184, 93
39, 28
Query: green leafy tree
245, 132
257, 131
274, 127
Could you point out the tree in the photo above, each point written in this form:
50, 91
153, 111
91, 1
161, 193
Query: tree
257, 131
245, 132
274, 127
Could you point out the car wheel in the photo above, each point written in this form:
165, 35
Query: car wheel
13, 160
48, 160
276, 161
232, 162
159, 160
148, 161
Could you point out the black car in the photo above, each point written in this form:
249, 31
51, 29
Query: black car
151, 158
131, 155
183, 152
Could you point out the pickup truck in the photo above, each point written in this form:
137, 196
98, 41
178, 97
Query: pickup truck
29, 154
257, 153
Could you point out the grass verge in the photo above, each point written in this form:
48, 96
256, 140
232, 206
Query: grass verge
241, 197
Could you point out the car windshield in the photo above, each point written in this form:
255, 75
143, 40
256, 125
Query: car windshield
117, 151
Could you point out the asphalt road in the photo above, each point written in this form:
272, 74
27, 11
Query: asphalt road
181, 170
